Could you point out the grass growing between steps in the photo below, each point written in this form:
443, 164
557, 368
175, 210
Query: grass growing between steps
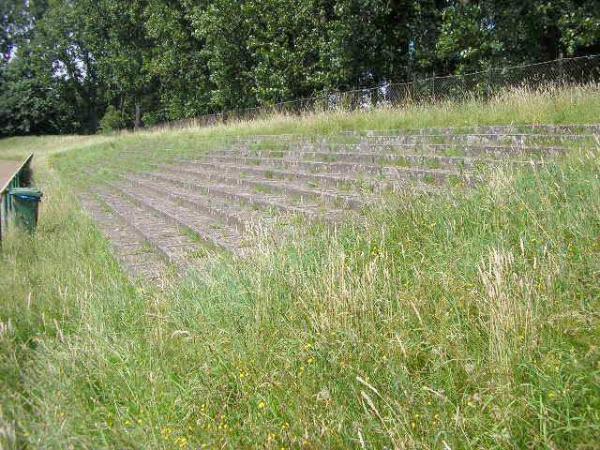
454, 322
465, 323
109, 157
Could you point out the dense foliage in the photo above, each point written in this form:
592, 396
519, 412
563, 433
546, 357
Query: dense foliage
65, 62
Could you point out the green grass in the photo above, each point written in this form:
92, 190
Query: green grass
112, 156
467, 321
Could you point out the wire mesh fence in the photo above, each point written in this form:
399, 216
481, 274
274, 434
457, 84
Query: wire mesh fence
484, 84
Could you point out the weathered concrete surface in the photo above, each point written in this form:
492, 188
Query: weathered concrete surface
223, 196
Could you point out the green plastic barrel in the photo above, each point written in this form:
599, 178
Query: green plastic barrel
25, 203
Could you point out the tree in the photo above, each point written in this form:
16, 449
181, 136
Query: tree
477, 35
31, 101
63, 43
285, 43
221, 25
468, 40
64, 63
123, 54
178, 60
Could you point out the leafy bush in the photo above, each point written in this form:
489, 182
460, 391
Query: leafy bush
112, 120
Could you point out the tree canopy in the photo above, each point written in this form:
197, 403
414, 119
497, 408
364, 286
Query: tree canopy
65, 64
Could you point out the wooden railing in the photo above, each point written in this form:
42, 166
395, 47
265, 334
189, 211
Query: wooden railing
15, 175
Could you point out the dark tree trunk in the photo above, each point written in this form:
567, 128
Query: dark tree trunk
137, 124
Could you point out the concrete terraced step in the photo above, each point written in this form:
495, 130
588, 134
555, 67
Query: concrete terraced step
498, 129
477, 137
213, 232
163, 235
534, 129
395, 159
168, 216
516, 139
415, 149
336, 169
221, 209
129, 246
242, 194
208, 171
343, 188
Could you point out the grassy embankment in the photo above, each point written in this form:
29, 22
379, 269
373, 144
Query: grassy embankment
465, 322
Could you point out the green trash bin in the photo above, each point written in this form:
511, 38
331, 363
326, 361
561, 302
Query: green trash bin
25, 203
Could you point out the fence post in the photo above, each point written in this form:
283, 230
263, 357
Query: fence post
561, 71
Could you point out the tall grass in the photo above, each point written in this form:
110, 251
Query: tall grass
107, 157
464, 321
551, 104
